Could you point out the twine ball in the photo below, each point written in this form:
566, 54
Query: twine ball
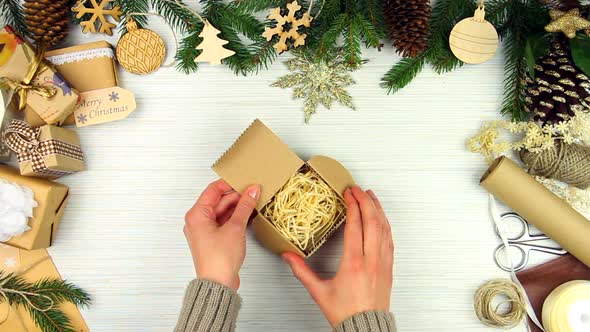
569, 163
489, 314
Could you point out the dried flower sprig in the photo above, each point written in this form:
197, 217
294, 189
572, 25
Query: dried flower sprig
532, 135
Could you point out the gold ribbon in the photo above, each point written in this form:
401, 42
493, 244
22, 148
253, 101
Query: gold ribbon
22, 88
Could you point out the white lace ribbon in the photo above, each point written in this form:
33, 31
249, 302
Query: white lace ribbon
497, 218
94, 53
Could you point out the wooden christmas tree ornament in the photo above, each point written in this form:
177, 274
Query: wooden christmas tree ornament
212, 46
474, 40
140, 51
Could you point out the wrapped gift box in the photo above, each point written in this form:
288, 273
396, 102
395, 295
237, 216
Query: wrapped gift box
47, 152
7, 114
16, 56
37, 265
86, 67
260, 157
51, 198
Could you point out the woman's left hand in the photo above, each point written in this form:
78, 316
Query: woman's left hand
215, 228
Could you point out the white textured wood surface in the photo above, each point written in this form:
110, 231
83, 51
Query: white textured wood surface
121, 237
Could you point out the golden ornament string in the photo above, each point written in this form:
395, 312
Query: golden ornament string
489, 314
305, 209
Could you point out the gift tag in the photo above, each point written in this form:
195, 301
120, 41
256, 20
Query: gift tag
104, 105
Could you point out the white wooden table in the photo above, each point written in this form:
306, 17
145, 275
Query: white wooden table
121, 237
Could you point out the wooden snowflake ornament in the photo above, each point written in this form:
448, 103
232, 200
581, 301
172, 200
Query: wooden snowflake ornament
282, 26
99, 16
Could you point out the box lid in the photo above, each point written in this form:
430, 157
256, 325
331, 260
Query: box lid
335, 175
258, 156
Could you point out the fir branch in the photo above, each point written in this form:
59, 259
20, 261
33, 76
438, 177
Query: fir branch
134, 6
373, 12
352, 44
187, 52
327, 43
255, 6
445, 14
402, 73
49, 294
370, 34
177, 15
11, 11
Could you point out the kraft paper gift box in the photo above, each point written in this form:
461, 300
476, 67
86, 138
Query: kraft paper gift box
51, 200
47, 152
16, 58
86, 67
37, 265
260, 157
7, 114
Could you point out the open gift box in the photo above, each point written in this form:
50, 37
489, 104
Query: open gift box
51, 198
260, 157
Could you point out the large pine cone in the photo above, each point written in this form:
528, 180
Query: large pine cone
47, 20
559, 89
408, 25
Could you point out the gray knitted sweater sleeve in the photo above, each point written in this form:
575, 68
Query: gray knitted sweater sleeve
211, 307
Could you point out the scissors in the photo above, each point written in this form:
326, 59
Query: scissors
524, 242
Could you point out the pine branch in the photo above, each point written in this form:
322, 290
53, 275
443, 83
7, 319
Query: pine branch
134, 6
352, 43
49, 292
11, 11
177, 15
402, 73
445, 14
369, 33
327, 43
187, 52
372, 11
255, 6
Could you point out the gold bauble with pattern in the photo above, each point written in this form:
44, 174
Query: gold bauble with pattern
474, 40
140, 51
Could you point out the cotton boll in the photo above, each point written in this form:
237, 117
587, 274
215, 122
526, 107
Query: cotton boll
13, 196
16, 207
14, 223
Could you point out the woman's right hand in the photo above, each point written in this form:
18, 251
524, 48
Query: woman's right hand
365, 275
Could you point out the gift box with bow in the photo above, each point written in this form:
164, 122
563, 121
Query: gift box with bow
48, 151
51, 198
41, 91
6, 116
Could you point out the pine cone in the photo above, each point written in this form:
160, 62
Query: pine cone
559, 89
47, 20
408, 25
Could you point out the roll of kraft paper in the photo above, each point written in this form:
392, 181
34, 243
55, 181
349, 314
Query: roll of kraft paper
567, 308
539, 206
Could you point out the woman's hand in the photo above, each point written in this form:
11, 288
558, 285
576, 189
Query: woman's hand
215, 228
364, 279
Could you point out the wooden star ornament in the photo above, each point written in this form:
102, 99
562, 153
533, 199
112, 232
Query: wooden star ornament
568, 22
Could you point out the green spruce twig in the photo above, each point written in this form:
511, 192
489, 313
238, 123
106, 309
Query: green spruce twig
42, 299
11, 12
402, 73
133, 6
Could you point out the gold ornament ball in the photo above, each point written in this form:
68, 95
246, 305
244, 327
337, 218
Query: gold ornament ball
474, 40
140, 51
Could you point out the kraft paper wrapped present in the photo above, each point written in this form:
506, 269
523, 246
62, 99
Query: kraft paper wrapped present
51, 201
7, 114
91, 69
42, 92
33, 266
258, 156
47, 152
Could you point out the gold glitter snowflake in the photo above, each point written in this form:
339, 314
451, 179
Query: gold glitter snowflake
318, 81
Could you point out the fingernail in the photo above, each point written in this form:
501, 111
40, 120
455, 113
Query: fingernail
285, 258
254, 191
371, 193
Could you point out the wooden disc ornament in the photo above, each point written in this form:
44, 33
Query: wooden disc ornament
140, 51
474, 40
